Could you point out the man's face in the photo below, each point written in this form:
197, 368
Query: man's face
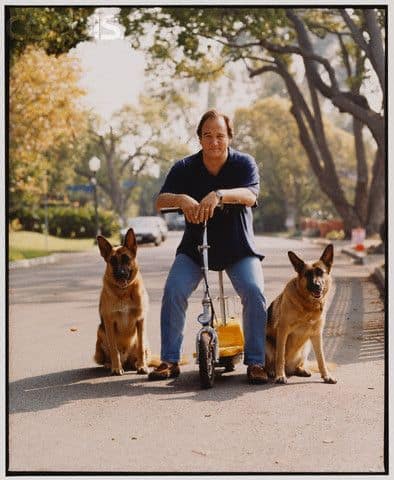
214, 138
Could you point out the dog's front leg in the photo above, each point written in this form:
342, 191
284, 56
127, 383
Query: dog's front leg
317, 342
281, 338
141, 364
116, 364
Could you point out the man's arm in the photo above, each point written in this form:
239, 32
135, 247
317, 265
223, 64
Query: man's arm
199, 212
187, 204
242, 195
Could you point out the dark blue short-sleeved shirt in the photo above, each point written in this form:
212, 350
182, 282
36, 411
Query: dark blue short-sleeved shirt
230, 230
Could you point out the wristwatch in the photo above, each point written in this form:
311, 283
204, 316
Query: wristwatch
219, 196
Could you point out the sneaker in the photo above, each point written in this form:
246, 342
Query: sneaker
164, 370
257, 374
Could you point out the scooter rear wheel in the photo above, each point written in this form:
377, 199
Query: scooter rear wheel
206, 357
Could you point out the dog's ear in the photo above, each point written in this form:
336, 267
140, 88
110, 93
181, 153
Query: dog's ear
130, 242
328, 256
104, 246
298, 264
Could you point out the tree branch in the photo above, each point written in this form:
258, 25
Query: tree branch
349, 102
377, 55
356, 32
308, 55
135, 154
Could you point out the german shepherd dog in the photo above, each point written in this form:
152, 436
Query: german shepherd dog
296, 318
121, 342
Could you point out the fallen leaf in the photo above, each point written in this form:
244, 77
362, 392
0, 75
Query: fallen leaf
371, 388
74, 329
134, 438
207, 415
328, 441
199, 453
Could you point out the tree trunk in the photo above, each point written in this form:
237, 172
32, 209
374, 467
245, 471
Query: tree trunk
377, 194
314, 141
361, 196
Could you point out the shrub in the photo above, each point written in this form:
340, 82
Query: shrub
314, 227
67, 221
335, 235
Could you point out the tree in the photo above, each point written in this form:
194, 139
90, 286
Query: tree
268, 40
283, 163
56, 30
135, 146
45, 120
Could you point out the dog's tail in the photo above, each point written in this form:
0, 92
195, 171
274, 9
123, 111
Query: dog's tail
312, 365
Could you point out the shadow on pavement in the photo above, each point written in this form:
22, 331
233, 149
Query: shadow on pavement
53, 390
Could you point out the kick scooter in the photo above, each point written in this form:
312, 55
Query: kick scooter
220, 341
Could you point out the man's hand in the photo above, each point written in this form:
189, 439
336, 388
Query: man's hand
190, 208
207, 207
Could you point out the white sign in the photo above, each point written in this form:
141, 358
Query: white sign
358, 235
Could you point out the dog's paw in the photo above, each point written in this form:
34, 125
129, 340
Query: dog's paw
281, 379
328, 379
117, 370
142, 371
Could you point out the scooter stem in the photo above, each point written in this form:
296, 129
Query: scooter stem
204, 248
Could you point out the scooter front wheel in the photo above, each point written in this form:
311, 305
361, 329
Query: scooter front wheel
206, 360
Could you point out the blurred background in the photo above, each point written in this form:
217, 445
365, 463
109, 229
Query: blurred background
102, 101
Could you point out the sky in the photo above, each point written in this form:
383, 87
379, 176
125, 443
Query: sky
112, 72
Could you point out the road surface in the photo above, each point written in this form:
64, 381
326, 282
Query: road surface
67, 414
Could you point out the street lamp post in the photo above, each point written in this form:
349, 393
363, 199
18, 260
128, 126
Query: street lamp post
94, 166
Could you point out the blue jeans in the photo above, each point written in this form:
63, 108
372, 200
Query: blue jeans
246, 276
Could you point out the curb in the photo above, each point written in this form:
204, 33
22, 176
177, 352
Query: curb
380, 278
362, 258
31, 262
47, 259
357, 256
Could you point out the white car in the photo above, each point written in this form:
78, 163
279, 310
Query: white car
147, 229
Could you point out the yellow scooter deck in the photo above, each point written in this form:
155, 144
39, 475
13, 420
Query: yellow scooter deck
231, 338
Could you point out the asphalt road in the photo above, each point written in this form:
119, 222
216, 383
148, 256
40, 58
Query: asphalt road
68, 415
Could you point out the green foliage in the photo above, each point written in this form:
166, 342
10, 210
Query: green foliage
335, 235
53, 29
47, 124
68, 222
186, 37
270, 216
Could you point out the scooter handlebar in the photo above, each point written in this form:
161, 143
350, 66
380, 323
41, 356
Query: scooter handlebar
180, 211
172, 210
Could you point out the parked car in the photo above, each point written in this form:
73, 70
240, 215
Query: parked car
175, 221
163, 227
146, 229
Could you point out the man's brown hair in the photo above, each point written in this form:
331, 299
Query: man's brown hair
215, 114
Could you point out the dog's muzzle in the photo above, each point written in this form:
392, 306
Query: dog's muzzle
122, 274
316, 290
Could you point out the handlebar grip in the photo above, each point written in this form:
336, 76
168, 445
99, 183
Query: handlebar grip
180, 211
172, 210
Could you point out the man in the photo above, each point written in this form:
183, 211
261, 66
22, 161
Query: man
198, 184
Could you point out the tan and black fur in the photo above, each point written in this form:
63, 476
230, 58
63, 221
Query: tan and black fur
296, 319
121, 342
